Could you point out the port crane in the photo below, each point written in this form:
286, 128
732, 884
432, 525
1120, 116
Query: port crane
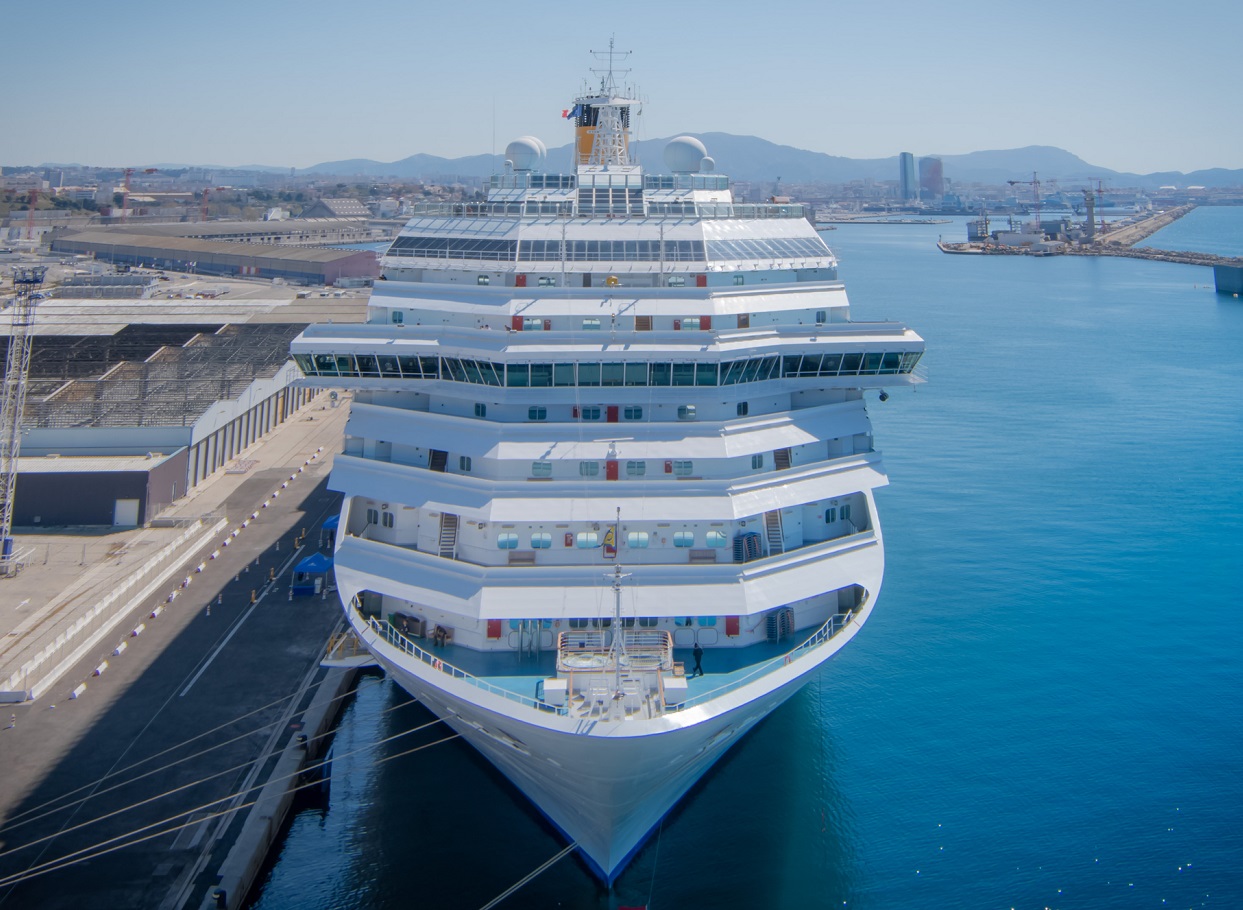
129, 172
26, 282
1035, 185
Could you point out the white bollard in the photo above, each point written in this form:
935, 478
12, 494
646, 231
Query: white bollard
157, 611
138, 630
120, 649
100, 669
78, 691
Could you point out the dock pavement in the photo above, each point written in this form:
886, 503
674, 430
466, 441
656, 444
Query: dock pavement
196, 706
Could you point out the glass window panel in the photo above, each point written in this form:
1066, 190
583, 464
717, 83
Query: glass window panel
585, 540
388, 365
659, 374
768, 370
684, 538
753, 367
472, 372
305, 363
563, 374
541, 469
705, 374
684, 374
851, 363
871, 363
541, 375
454, 368
613, 374
790, 364
909, 360
541, 540
891, 362
716, 538
810, 365
638, 539
830, 364
431, 367
589, 374
518, 375
326, 364
734, 373
367, 365
636, 374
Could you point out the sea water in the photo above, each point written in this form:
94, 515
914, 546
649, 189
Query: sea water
1046, 707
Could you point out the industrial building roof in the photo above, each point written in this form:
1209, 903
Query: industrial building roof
150, 244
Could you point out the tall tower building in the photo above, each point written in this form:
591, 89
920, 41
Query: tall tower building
931, 178
906, 177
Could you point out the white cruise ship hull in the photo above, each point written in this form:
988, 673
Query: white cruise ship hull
605, 786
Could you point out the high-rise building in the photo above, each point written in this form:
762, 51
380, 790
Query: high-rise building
931, 178
906, 177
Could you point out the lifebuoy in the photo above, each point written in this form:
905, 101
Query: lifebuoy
437, 665
788, 659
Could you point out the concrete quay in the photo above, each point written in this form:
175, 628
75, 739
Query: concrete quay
115, 797
1121, 242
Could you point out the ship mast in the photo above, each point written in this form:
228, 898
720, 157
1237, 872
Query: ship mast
618, 648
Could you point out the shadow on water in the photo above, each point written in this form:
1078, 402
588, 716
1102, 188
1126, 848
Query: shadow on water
443, 827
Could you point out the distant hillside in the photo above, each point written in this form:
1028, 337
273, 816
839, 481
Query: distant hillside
760, 161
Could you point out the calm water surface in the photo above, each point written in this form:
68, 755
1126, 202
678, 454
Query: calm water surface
1046, 708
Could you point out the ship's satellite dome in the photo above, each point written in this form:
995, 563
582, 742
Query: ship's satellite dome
526, 152
684, 154
708, 165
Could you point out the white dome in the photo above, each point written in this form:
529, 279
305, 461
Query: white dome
684, 154
525, 152
707, 166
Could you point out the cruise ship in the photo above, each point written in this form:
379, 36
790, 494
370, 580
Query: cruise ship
608, 473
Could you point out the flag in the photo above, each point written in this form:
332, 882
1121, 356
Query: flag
610, 543
572, 112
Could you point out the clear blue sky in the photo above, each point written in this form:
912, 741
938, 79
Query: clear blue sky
1141, 86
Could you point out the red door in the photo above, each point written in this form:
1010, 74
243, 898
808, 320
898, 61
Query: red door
520, 280
731, 626
610, 470
494, 628
516, 323
611, 416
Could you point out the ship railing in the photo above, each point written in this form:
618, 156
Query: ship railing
835, 624
395, 638
565, 209
592, 651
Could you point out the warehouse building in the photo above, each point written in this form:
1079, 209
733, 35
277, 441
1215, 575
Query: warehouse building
296, 265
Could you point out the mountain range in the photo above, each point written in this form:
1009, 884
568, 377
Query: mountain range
757, 160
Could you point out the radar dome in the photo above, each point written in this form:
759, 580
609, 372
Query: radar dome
708, 165
684, 154
525, 152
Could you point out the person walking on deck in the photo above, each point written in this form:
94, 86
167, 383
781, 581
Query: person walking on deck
698, 654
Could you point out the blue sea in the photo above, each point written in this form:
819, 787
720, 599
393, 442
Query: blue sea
1046, 708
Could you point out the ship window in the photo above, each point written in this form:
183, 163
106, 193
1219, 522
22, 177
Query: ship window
388, 366
591, 413
743, 408
481, 409
684, 538
507, 540
541, 540
660, 374
648, 622
891, 363
821, 316
483, 279
305, 363
690, 323
686, 412
585, 540
633, 412
636, 374
677, 281
589, 374
637, 539
739, 279
546, 282
541, 469
563, 374
716, 538
612, 374
683, 468
541, 375
851, 363
830, 515
871, 363
386, 519
705, 374
398, 317
373, 516
537, 413
684, 374
757, 461
578, 623
518, 375
533, 324
463, 462
707, 620
846, 512
591, 325
589, 468
636, 468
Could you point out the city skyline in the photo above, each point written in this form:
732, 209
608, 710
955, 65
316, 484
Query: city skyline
283, 85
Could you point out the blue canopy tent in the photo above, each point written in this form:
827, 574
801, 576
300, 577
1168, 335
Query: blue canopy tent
310, 575
329, 530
